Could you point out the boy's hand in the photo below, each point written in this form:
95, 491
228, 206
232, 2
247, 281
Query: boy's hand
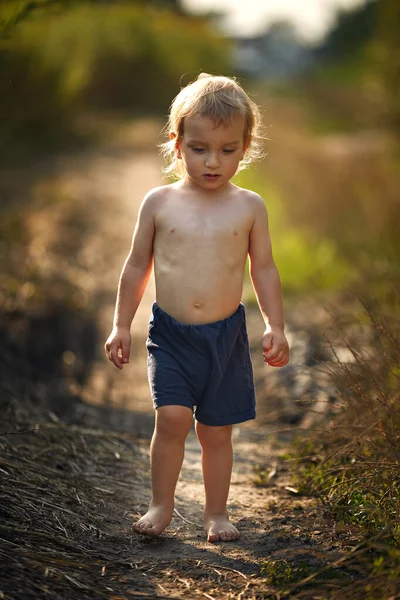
275, 347
117, 347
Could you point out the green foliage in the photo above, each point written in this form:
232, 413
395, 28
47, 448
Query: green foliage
14, 12
332, 201
357, 74
113, 56
307, 262
353, 28
384, 53
369, 571
282, 573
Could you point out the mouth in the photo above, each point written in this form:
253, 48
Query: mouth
211, 176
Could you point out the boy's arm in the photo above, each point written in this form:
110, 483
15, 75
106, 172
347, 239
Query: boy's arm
267, 286
132, 283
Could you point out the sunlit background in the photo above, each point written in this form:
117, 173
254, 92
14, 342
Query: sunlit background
312, 19
84, 93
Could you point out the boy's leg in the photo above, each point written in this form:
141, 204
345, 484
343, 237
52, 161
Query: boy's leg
173, 423
217, 461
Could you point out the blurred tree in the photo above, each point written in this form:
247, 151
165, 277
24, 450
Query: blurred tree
13, 12
352, 30
364, 48
385, 51
72, 56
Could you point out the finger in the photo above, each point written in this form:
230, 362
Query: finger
280, 361
267, 342
125, 352
114, 357
278, 358
278, 365
273, 360
271, 354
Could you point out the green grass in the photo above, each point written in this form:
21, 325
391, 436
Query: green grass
306, 263
283, 573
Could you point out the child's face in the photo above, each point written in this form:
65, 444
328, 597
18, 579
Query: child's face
211, 154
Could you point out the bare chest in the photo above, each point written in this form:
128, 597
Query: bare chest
197, 227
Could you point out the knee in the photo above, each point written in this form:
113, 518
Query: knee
213, 437
173, 422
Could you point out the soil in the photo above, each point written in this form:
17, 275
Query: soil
78, 541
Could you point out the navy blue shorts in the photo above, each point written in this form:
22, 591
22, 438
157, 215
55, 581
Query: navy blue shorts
204, 367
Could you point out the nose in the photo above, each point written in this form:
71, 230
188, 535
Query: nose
212, 160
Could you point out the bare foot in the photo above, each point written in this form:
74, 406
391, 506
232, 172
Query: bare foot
218, 528
153, 522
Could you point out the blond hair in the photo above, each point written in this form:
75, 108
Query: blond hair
220, 99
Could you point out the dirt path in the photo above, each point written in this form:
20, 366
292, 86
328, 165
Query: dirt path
73, 539
276, 523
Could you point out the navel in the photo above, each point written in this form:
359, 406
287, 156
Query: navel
172, 230
235, 233
197, 305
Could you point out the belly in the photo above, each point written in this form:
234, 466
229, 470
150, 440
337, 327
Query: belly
199, 291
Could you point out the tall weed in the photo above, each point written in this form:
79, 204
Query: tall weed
355, 466
358, 468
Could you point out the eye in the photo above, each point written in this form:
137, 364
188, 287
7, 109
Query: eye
197, 150
228, 151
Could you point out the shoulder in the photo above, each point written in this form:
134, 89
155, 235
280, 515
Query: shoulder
254, 201
154, 198
156, 194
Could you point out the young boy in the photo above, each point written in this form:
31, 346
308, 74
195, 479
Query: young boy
199, 231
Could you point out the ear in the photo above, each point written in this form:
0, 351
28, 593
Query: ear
172, 136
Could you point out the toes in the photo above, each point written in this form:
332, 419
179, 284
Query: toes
146, 528
141, 527
153, 531
233, 535
229, 535
224, 536
221, 530
213, 537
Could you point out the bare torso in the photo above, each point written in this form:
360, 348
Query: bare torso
200, 249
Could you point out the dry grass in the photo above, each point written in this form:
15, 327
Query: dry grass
355, 466
64, 493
